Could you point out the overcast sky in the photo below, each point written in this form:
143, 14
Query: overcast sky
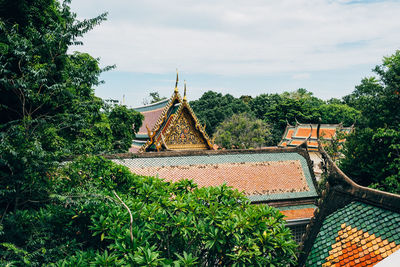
241, 47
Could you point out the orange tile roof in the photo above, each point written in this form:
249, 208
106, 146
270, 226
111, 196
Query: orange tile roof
356, 235
253, 178
298, 213
355, 247
324, 132
289, 133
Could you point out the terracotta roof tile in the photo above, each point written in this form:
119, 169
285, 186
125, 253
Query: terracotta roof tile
261, 176
298, 213
150, 119
253, 178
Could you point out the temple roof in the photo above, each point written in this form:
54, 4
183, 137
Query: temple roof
281, 177
296, 135
151, 114
170, 125
353, 225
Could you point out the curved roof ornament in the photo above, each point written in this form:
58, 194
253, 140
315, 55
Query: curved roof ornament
297, 123
184, 92
176, 83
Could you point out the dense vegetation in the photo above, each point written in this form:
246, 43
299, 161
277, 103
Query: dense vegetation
277, 110
91, 211
84, 222
242, 131
371, 153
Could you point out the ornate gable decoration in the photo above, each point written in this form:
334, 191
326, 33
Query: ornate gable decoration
184, 134
177, 128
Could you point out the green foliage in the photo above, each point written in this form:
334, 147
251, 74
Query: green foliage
154, 97
173, 223
339, 113
242, 131
372, 153
124, 124
213, 108
48, 109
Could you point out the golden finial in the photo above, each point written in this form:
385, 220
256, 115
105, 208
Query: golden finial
184, 92
176, 83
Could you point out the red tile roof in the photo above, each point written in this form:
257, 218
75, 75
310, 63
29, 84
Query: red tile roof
150, 119
254, 178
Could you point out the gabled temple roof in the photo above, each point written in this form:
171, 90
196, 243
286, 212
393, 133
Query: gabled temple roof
170, 125
353, 225
296, 135
281, 177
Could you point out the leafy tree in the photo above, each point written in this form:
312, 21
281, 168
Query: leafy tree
213, 108
339, 113
372, 152
154, 98
261, 104
48, 109
242, 131
86, 222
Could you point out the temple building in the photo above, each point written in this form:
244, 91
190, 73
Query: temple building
173, 145
353, 225
302, 132
170, 125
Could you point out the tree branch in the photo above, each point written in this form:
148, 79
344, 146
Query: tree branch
130, 213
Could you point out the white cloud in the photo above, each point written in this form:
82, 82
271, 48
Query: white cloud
241, 37
301, 76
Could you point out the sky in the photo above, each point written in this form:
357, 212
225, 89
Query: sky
240, 47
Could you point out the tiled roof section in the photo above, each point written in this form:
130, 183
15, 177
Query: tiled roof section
359, 234
298, 212
150, 119
296, 135
253, 178
262, 176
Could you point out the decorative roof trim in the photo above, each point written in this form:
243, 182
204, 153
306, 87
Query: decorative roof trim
164, 116
175, 97
341, 190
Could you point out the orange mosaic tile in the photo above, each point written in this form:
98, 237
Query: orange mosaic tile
365, 250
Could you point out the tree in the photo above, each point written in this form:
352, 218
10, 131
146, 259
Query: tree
87, 222
242, 131
372, 152
154, 98
48, 109
339, 113
212, 108
124, 124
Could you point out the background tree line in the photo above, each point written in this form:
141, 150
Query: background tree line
371, 152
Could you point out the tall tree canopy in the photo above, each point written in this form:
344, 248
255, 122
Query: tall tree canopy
373, 151
47, 107
242, 131
212, 108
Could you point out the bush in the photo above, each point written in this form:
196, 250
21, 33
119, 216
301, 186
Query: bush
172, 223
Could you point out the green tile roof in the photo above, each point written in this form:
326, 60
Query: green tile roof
365, 221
